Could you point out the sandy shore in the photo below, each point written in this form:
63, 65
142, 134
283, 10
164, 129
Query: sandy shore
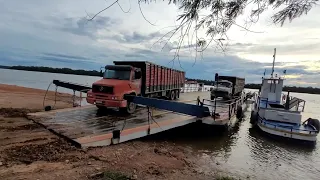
12, 96
28, 151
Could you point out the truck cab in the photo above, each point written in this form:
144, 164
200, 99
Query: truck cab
227, 87
117, 81
223, 88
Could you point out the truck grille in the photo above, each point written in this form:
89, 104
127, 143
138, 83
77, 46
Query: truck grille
102, 89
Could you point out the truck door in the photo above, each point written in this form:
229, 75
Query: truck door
136, 81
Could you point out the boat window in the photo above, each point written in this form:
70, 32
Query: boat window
117, 74
273, 82
276, 105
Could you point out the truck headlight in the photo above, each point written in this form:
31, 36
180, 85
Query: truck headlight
90, 95
114, 97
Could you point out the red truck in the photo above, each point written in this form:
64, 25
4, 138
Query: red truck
139, 78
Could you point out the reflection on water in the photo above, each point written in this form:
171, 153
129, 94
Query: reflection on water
245, 152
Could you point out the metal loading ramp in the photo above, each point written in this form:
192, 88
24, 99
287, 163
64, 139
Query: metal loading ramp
89, 127
85, 127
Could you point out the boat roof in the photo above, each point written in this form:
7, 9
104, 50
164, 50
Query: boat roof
273, 78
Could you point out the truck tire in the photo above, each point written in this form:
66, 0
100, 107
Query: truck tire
177, 95
101, 107
172, 95
212, 97
130, 109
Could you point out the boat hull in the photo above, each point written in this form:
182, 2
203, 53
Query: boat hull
285, 132
288, 133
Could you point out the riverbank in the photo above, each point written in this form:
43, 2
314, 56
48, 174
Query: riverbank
94, 73
29, 151
18, 97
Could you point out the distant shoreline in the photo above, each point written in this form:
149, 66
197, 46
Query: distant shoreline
308, 90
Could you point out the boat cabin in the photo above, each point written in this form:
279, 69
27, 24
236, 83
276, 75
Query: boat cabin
271, 91
276, 106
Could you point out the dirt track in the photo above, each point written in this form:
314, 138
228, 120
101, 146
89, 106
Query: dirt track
28, 151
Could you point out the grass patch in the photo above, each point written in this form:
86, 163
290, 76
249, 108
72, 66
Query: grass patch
114, 176
108, 175
225, 178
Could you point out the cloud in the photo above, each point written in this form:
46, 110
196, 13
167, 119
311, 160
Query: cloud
136, 37
84, 27
58, 34
65, 56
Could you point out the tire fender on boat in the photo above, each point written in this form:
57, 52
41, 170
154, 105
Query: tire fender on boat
284, 97
239, 112
313, 122
254, 117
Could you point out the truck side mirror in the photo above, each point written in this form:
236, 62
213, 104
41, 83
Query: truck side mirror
101, 73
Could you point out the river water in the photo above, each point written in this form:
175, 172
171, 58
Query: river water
240, 151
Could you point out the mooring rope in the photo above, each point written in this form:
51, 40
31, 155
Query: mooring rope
150, 114
44, 98
56, 95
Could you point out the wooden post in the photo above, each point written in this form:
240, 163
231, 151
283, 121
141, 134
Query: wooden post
80, 98
73, 98
229, 111
214, 110
198, 100
288, 100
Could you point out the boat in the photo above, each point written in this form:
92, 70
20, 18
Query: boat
279, 114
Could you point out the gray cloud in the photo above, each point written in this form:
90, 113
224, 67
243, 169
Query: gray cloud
136, 37
84, 27
44, 29
65, 56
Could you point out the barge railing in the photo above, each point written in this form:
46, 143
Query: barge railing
223, 107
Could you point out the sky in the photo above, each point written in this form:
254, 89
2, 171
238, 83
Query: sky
58, 34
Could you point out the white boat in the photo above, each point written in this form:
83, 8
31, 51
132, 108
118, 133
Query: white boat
278, 114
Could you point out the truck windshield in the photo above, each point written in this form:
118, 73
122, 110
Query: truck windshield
116, 74
225, 84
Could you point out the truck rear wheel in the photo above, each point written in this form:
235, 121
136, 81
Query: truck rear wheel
131, 108
177, 95
172, 95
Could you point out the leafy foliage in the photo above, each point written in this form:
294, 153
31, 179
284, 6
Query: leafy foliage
224, 12
221, 17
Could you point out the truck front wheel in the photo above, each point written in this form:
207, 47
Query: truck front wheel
101, 107
131, 108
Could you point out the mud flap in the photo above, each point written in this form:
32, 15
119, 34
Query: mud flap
116, 136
